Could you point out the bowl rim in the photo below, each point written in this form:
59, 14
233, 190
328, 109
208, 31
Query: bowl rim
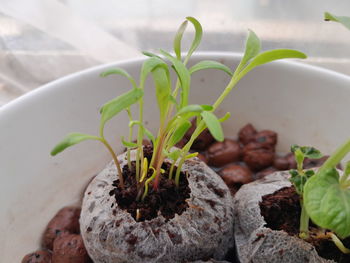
203, 54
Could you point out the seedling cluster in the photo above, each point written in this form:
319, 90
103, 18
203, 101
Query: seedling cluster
175, 112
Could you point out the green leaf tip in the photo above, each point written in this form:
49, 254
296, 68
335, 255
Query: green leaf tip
70, 140
344, 20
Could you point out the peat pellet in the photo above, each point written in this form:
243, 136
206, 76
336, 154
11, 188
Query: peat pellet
236, 175
221, 153
40, 256
258, 159
281, 163
247, 134
69, 248
266, 137
66, 219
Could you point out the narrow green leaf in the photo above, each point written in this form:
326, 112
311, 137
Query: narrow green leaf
183, 75
174, 155
194, 108
122, 102
128, 144
269, 56
225, 117
179, 133
150, 136
178, 38
148, 66
191, 155
344, 20
213, 125
120, 71
150, 54
252, 49
70, 140
209, 64
163, 89
327, 203
172, 99
197, 37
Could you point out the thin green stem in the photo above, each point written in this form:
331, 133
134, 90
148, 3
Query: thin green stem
304, 222
115, 159
130, 138
336, 157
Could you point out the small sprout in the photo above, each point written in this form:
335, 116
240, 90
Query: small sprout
138, 214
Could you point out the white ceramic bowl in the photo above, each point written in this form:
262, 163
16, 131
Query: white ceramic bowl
304, 104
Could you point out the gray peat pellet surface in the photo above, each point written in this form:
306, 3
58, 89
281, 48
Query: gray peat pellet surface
258, 244
204, 230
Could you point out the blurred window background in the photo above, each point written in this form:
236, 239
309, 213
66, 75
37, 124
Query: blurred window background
42, 40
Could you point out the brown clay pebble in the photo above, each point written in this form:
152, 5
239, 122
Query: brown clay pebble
281, 163
265, 172
247, 134
252, 146
291, 159
266, 137
40, 256
258, 159
202, 141
202, 157
69, 248
66, 219
236, 175
312, 163
221, 153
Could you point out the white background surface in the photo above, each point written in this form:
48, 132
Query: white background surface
42, 40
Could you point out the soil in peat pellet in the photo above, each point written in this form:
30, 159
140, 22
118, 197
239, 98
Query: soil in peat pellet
281, 211
168, 200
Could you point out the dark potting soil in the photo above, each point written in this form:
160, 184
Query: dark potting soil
167, 200
281, 211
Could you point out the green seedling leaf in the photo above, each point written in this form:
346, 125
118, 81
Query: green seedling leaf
226, 117
197, 37
183, 75
252, 49
269, 56
194, 108
191, 155
128, 144
70, 140
178, 38
119, 71
174, 155
122, 102
213, 125
150, 136
299, 180
344, 20
150, 54
163, 89
179, 133
327, 202
209, 64
148, 66
172, 99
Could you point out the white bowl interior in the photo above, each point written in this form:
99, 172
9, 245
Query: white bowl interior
304, 104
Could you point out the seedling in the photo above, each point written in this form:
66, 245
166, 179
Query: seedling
175, 112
